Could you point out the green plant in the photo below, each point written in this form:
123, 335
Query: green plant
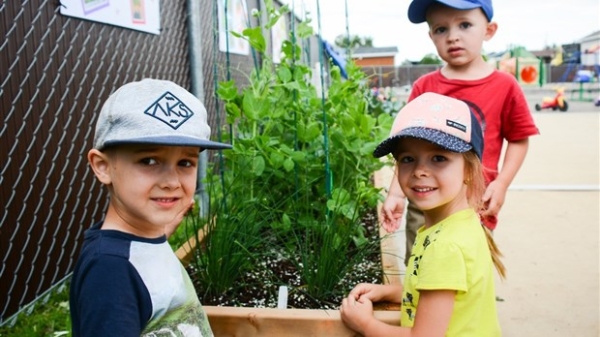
298, 179
47, 317
383, 101
285, 133
326, 249
431, 59
233, 243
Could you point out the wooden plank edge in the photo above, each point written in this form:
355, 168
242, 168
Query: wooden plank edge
237, 321
389, 261
185, 251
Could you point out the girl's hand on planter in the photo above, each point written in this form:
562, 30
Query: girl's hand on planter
369, 291
377, 292
357, 314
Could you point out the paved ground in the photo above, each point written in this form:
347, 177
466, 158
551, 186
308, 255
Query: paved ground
549, 232
549, 229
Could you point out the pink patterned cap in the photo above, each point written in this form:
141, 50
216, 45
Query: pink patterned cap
441, 120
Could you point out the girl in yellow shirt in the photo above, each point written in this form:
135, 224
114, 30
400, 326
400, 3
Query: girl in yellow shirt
448, 290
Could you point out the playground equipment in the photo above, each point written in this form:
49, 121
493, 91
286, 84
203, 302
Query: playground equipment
522, 64
558, 102
582, 77
585, 76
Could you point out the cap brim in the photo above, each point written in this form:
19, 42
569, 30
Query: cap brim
170, 141
439, 138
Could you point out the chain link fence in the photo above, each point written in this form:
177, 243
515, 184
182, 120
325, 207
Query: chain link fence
399, 76
55, 73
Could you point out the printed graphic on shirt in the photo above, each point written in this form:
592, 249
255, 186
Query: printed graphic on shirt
176, 309
187, 321
408, 300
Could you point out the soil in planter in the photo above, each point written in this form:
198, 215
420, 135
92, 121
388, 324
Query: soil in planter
259, 290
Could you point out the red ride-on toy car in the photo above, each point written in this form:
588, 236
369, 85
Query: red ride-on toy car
558, 102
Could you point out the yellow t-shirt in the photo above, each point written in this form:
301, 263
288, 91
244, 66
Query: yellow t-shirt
454, 255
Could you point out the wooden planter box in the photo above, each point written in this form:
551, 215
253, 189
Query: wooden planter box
233, 321
272, 322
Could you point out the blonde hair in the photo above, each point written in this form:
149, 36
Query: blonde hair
475, 182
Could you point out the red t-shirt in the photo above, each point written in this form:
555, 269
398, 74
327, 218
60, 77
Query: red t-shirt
501, 107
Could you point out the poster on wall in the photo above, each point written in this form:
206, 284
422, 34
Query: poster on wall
234, 13
142, 15
278, 35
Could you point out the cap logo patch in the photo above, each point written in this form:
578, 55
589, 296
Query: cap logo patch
170, 110
456, 125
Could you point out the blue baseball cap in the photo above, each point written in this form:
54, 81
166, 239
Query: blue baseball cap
418, 8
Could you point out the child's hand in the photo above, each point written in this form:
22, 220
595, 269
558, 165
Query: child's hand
357, 314
366, 290
369, 291
171, 227
493, 198
391, 212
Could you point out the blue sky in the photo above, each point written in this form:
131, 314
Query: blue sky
529, 23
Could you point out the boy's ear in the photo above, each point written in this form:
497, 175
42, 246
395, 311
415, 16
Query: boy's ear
100, 163
490, 31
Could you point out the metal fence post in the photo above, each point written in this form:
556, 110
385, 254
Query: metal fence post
197, 81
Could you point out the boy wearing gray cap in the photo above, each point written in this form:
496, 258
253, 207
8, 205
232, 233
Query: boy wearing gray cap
128, 281
458, 29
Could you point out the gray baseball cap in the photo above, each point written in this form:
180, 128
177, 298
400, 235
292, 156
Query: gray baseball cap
155, 112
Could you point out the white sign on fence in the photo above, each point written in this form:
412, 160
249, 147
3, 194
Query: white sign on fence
142, 15
233, 16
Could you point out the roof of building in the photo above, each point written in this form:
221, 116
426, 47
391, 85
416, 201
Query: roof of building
548, 52
592, 37
374, 51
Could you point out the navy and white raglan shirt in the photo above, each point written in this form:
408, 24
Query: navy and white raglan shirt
125, 285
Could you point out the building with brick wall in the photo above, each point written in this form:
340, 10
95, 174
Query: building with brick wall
374, 56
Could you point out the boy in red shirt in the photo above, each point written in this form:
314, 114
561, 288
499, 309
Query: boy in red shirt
458, 29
